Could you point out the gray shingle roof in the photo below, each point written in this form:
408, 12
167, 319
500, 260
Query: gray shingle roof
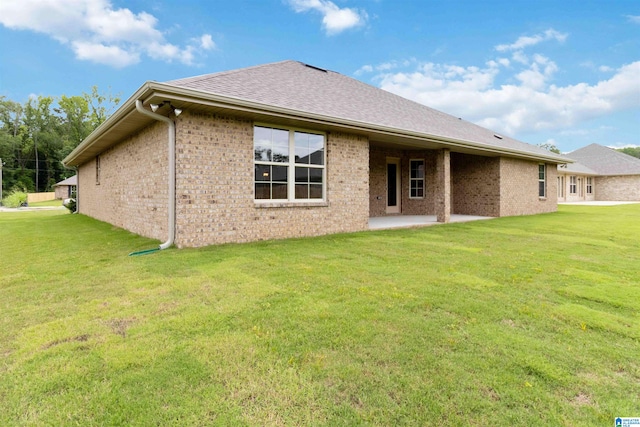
606, 161
69, 181
577, 168
300, 87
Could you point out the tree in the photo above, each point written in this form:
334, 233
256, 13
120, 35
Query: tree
550, 147
632, 151
37, 135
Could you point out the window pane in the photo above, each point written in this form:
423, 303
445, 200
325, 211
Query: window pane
316, 157
261, 143
279, 191
280, 153
279, 173
302, 175
541, 189
419, 192
315, 191
302, 191
263, 173
302, 155
262, 191
316, 149
280, 137
315, 175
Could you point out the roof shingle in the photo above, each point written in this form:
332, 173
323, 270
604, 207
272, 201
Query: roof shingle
606, 161
300, 87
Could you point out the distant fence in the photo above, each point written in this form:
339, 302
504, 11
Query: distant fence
40, 197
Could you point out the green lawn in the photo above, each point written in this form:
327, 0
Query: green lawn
54, 202
527, 321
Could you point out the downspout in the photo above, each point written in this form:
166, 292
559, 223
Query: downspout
77, 190
171, 227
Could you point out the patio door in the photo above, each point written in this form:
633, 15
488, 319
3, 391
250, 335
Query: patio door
393, 185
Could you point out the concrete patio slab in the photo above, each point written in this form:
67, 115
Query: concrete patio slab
404, 221
598, 203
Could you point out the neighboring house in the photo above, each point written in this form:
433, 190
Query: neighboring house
287, 150
66, 188
599, 173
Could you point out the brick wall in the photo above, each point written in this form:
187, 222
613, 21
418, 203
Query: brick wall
475, 185
519, 188
622, 188
62, 191
378, 181
132, 193
214, 187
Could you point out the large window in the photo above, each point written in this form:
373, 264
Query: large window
416, 190
289, 164
573, 187
589, 185
542, 180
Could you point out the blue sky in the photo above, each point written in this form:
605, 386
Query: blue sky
565, 72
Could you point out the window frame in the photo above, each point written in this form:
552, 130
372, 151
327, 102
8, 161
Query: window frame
98, 169
573, 184
589, 181
291, 166
412, 179
561, 186
542, 189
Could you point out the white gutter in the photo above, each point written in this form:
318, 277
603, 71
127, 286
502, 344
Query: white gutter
171, 226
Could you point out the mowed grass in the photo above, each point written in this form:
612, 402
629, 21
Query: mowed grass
46, 203
530, 321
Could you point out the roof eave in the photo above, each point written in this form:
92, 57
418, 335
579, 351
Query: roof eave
150, 89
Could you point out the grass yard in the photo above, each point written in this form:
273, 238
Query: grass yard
527, 321
47, 203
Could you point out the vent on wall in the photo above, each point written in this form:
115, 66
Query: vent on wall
497, 136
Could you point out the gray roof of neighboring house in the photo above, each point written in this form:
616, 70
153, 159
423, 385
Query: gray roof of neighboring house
577, 168
606, 161
297, 86
69, 181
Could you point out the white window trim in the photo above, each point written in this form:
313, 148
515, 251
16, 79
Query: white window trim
423, 179
573, 184
543, 180
589, 182
291, 165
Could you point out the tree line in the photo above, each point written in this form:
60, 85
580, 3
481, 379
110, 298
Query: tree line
36, 135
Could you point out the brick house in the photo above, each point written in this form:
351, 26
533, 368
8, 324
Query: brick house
65, 188
599, 173
287, 150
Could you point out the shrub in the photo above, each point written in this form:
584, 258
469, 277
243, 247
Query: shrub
15, 199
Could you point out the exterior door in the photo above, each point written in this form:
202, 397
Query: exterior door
393, 185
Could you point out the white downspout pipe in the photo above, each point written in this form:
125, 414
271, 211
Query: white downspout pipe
172, 171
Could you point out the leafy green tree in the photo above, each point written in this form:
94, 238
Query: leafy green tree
550, 147
632, 151
37, 135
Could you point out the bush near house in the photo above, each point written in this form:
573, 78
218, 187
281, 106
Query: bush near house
15, 199
528, 321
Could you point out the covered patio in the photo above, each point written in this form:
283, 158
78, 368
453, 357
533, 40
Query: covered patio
406, 221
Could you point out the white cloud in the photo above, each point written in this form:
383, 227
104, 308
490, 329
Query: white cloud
605, 68
529, 104
206, 42
334, 19
635, 19
98, 32
526, 41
